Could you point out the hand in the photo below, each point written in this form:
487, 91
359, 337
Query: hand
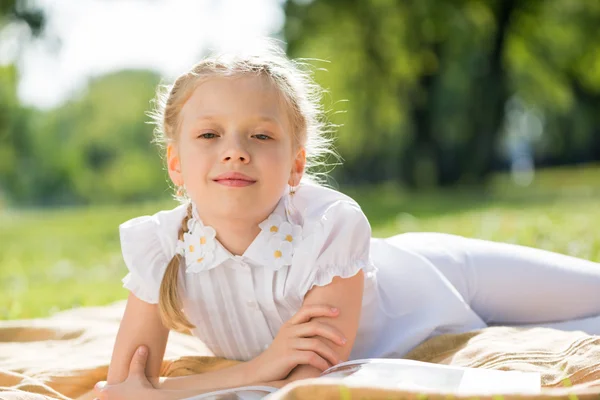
136, 386
296, 344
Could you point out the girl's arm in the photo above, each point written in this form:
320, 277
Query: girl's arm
141, 325
345, 294
176, 394
336, 294
295, 344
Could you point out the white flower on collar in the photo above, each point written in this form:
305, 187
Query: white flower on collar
280, 252
290, 233
271, 224
275, 225
283, 239
198, 246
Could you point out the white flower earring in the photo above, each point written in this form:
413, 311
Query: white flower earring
181, 193
290, 209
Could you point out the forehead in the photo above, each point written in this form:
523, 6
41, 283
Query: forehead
245, 96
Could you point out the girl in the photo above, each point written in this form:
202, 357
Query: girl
268, 268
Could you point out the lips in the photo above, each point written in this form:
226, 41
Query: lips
235, 179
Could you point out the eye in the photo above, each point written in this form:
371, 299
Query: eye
207, 135
262, 136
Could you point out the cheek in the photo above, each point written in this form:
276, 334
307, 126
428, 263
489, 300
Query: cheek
278, 162
193, 162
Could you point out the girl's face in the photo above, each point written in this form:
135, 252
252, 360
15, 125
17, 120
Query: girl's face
235, 152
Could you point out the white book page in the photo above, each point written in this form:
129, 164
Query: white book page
416, 375
240, 393
482, 381
412, 375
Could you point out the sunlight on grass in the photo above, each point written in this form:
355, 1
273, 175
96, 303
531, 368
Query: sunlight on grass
57, 259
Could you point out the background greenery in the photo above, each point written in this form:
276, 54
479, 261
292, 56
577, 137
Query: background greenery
57, 259
450, 113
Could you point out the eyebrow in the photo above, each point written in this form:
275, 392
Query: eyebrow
261, 118
268, 119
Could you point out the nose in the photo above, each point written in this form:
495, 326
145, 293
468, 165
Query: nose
236, 151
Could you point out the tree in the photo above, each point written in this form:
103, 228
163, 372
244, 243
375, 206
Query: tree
14, 139
427, 82
103, 151
25, 11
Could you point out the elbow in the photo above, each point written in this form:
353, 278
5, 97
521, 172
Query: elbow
302, 372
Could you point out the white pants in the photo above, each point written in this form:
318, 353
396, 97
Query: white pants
507, 284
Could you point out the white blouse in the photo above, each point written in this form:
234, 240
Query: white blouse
239, 303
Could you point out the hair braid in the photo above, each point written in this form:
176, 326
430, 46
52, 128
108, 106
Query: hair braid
170, 306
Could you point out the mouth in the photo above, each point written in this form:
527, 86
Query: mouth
234, 179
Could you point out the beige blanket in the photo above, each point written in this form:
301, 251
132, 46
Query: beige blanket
63, 356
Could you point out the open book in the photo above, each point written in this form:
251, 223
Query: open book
407, 375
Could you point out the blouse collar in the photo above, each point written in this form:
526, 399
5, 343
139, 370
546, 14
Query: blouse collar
280, 234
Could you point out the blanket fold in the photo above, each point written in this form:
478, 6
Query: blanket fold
63, 356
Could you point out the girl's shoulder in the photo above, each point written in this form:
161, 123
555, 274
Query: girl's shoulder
334, 212
148, 243
314, 201
337, 241
161, 227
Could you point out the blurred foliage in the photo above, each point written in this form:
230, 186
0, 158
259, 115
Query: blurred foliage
94, 149
428, 82
427, 93
26, 11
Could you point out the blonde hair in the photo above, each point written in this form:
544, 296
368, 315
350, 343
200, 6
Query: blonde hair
302, 98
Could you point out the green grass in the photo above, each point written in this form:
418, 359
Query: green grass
57, 259
61, 258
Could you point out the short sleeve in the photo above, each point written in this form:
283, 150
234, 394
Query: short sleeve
343, 246
148, 245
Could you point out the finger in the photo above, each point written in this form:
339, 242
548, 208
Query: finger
306, 313
310, 358
98, 387
138, 362
317, 346
315, 328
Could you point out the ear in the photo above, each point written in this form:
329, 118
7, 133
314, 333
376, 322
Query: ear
174, 165
298, 167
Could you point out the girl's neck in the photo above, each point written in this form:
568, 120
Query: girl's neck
235, 235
